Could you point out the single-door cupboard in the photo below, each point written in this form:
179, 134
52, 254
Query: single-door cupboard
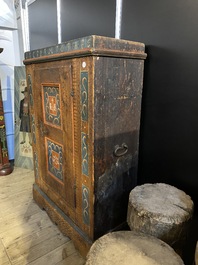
85, 105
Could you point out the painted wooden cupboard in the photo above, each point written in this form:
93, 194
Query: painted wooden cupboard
85, 105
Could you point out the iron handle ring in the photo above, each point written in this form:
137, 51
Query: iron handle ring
120, 150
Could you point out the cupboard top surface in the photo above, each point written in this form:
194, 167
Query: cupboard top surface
90, 45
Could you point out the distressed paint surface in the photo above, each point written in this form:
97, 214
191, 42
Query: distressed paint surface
36, 166
84, 95
85, 205
51, 105
29, 82
89, 42
84, 150
101, 90
54, 159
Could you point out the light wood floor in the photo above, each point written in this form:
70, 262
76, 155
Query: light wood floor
27, 235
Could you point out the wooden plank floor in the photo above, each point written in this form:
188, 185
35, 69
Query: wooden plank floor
27, 235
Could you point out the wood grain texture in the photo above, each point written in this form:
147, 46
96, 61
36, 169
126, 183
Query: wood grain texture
27, 235
80, 240
128, 247
161, 210
86, 104
4, 259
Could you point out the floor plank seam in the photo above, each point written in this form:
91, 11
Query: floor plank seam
27, 234
6, 251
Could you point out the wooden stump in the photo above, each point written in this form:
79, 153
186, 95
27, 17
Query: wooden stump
131, 248
162, 211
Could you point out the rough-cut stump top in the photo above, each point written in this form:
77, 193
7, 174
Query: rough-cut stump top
163, 202
131, 248
162, 211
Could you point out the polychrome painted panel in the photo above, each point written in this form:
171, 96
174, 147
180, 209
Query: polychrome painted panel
85, 205
84, 151
54, 158
52, 105
84, 95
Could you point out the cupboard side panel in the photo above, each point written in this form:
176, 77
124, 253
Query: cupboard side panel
118, 91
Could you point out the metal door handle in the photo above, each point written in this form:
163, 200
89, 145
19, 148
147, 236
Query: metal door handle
121, 150
44, 131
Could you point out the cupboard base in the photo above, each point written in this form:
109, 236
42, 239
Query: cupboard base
64, 223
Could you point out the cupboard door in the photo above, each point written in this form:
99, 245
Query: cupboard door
54, 112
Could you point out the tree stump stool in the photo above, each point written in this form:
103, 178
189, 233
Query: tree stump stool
131, 248
162, 211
